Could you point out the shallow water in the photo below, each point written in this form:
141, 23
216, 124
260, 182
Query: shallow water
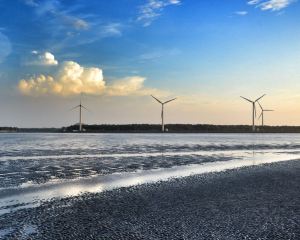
38, 167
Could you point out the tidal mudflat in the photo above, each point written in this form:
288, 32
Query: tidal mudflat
135, 186
258, 202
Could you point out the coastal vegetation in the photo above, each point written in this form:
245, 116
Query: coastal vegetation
156, 128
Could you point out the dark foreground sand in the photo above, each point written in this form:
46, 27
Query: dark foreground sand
261, 202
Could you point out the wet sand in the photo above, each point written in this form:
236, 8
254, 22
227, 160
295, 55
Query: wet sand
259, 202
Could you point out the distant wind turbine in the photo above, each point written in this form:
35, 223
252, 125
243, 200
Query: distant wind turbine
162, 111
253, 110
80, 106
262, 113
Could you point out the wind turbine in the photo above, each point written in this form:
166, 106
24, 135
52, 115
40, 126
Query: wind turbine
80, 106
253, 110
162, 111
262, 113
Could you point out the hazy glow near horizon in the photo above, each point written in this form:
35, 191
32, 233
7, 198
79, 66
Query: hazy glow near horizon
206, 53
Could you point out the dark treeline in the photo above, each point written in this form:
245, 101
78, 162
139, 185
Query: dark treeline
156, 128
181, 128
40, 130
8, 129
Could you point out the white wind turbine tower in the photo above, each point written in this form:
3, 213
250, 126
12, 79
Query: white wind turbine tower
253, 110
262, 113
80, 106
162, 111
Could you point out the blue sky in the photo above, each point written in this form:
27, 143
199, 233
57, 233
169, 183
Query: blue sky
117, 53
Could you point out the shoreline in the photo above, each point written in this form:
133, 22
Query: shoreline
156, 128
145, 132
246, 203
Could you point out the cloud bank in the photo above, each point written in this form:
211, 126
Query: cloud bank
72, 79
272, 5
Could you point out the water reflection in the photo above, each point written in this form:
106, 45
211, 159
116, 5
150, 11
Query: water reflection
29, 195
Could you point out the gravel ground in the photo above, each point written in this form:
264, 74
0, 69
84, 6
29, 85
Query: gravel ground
260, 202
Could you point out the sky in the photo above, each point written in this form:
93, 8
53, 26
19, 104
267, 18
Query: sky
115, 54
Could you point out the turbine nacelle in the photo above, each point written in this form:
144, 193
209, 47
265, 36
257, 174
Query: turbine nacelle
163, 102
253, 109
262, 113
162, 110
80, 106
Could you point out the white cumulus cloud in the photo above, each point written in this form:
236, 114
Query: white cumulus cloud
73, 79
126, 86
42, 59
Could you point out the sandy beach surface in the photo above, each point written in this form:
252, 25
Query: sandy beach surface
258, 202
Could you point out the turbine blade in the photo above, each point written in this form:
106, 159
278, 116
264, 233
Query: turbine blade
156, 99
254, 110
169, 100
260, 115
74, 108
260, 106
260, 97
247, 99
86, 108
